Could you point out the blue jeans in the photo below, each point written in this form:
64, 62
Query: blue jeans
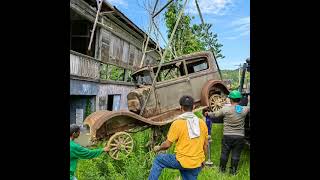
170, 161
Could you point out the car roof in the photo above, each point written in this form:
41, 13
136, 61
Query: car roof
187, 57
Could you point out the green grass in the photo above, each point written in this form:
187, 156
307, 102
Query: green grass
138, 164
213, 172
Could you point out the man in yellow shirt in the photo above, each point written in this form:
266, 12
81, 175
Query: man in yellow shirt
191, 136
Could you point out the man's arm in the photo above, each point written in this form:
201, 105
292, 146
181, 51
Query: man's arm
164, 146
172, 136
85, 153
215, 114
206, 141
205, 147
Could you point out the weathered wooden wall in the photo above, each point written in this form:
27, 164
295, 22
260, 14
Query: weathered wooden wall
120, 46
118, 50
78, 87
84, 66
113, 89
80, 103
98, 92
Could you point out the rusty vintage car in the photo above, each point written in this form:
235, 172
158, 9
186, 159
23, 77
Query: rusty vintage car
195, 74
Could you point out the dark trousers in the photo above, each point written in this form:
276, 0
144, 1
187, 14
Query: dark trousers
169, 161
233, 144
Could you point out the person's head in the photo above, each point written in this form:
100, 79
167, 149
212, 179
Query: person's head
74, 131
204, 110
186, 103
233, 101
235, 96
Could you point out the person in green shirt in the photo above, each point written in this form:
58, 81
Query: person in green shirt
78, 152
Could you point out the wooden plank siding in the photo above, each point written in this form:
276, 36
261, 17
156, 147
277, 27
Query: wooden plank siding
84, 66
120, 46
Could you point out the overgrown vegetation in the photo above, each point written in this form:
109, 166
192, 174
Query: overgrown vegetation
138, 164
111, 72
233, 75
88, 107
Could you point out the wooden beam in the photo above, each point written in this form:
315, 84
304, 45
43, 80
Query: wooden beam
154, 15
94, 25
164, 55
211, 47
107, 12
105, 26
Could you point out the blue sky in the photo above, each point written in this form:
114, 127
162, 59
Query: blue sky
230, 19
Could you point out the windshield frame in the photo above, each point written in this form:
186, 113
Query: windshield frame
139, 77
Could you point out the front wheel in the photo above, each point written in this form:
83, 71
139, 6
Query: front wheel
120, 143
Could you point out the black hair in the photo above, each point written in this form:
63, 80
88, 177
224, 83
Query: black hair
186, 102
244, 101
236, 100
74, 129
207, 109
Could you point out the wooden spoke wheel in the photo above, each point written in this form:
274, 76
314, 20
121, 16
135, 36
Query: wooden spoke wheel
120, 143
216, 102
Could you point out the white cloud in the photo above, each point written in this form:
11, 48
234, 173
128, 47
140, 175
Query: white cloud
241, 21
231, 37
240, 27
118, 2
216, 7
231, 64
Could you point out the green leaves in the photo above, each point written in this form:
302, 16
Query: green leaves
88, 108
234, 76
138, 164
111, 72
190, 38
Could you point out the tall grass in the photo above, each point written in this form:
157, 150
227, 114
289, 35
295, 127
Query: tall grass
138, 164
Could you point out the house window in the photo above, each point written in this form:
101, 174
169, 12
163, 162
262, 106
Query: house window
80, 34
114, 102
105, 46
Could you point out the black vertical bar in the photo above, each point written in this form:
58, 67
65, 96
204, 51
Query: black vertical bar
162, 8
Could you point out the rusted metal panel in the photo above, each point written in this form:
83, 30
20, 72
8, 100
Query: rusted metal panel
140, 95
212, 85
176, 89
104, 123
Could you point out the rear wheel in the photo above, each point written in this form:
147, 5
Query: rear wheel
216, 102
